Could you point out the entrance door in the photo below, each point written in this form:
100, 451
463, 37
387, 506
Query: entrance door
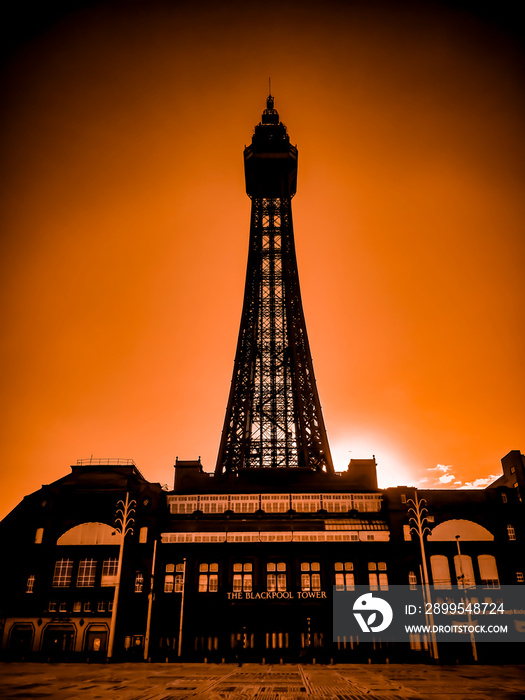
21, 641
96, 644
58, 642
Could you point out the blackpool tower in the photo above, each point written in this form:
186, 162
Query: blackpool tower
273, 418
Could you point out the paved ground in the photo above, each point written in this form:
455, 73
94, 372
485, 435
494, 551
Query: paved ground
255, 682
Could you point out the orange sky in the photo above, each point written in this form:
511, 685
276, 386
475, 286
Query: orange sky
125, 230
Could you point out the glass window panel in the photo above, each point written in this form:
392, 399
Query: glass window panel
62, 574
86, 573
139, 582
440, 571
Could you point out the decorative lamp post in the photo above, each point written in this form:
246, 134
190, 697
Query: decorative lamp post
418, 524
151, 598
123, 519
463, 579
179, 648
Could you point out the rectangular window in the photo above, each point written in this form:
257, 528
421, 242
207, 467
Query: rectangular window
407, 534
412, 580
520, 577
62, 574
109, 572
62, 607
139, 582
143, 535
169, 583
376, 581
488, 571
344, 576
30, 584
310, 576
179, 578
87, 606
242, 577
511, 532
464, 571
276, 576
208, 578
39, 534
52, 607
77, 606
87, 570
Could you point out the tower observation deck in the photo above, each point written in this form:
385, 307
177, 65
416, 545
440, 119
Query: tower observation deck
273, 418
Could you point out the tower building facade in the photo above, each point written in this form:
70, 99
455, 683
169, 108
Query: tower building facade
247, 557
274, 417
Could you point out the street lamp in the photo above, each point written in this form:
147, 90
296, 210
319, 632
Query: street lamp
464, 582
124, 518
151, 597
419, 526
179, 648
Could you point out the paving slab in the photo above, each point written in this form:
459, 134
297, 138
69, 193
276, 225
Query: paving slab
21, 681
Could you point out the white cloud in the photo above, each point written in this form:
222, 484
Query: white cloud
441, 467
447, 479
480, 483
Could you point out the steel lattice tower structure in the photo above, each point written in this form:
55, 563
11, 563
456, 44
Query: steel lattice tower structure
273, 418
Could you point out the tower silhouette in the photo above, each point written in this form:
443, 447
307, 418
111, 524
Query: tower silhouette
273, 418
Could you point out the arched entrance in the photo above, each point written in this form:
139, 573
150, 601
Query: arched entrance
58, 641
21, 640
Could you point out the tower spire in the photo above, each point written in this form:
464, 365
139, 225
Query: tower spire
274, 417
